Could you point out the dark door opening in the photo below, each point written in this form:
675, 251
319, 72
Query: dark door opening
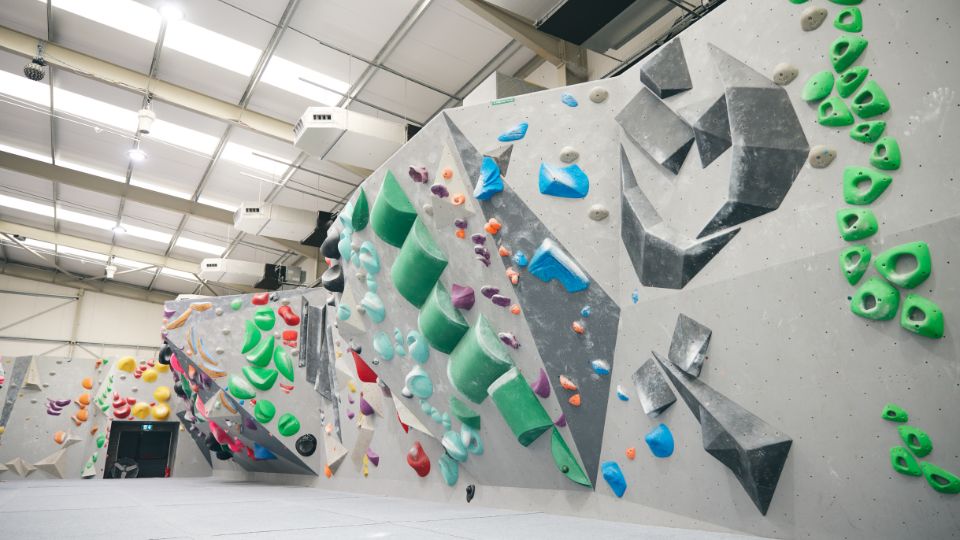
141, 449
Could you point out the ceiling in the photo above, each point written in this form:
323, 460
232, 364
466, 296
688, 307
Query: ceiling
399, 59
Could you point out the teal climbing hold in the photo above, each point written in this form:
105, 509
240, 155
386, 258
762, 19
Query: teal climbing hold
449, 469
373, 306
343, 312
464, 413
288, 425
854, 262
566, 462
453, 444
419, 383
251, 336
850, 80
260, 378
875, 299
478, 360
894, 413
401, 346
849, 20
903, 462
261, 355
419, 350
856, 223
941, 479
520, 407
870, 100
922, 316
283, 363
916, 440
818, 86
442, 324
913, 257
862, 185
886, 154
471, 439
265, 318
845, 51
361, 212
240, 388
614, 477
868, 132
392, 214
383, 345
369, 259
833, 112
418, 265
264, 410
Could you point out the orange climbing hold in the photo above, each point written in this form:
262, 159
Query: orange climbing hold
492, 226
84, 399
515, 309
447, 173
327, 471
631, 453
457, 199
513, 275
503, 251
574, 400
87, 383
59, 437
461, 234
567, 384
577, 327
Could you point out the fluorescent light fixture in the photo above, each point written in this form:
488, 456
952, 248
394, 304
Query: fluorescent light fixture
184, 137
147, 234
96, 110
178, 274
244, 155
119, 229
26, 206
211, 47
127, 263
288, 76
197, 245
85, 219
39, 244
160, 189
26, 153
22, 88
82, 253
171, 12
127, 16
218, 204
136, 154
91, 170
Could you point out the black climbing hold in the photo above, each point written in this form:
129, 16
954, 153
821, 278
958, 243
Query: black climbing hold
471, 491
306, 445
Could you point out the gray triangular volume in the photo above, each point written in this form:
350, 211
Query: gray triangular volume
197, 436
733, 72
656, 129
501, 155
712, 131
666, 73
470, 158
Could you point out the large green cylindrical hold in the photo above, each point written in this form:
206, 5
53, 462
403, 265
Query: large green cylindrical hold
418, 265
519, 406
478, 360
440, 322
392, 214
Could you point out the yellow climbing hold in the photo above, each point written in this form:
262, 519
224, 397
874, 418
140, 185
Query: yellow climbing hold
141, 409
162, 393
161, 411
352, 387
127, 363
150, 375
162, 368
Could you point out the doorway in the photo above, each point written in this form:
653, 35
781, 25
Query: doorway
141, 449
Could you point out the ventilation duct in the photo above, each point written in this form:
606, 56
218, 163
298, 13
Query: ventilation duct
348, 137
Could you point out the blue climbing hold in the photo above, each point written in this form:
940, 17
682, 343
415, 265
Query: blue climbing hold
261, 453
550, 262
383, 345
419, 350
569, 182
568, 100
490, 182
585, 312
373, 305
514, 134
600, 367
635, 296
622, 394
614, 477
660, 441
520, 259
343, 312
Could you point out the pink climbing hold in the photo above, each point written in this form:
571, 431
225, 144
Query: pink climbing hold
541, 386
373, 457
175, 364
462, 296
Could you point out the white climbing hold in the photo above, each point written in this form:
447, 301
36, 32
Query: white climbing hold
812, 18
226, 331
598, 94
568, 154
821, 156
784, 73
218, 311
428, 209
598, 212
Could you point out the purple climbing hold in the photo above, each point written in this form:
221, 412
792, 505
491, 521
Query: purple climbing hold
365, 408
460, 223
373, 457
479, 239
489, 291
509, 339
561, 420
484, 260
482, 251
350, 398
440, 191
462, 296
350, 415
167, 312
541, 387
419, 174
249, 423
500, 300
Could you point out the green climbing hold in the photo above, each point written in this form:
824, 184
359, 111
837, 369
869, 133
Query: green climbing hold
101, 440
240, 388
418, 265
392, 214
854, 262
941, 479
251, 336
440, 322
261, 378
850, 80
847, 2
862, 185
798, 1
361, 212
870, 101
265, 318
868, 132
464, 413
833, 112
845, 51
886, 154
261, 354
849, 20
916, 440
914, 257
922, 316
288, 425
856, 223
875, 299
565, 460
283, 363
236, 304
903, 462
519, 406
264, 410
894, 413
478, 360
818, 86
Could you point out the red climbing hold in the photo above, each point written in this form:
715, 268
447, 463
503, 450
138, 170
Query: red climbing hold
406, 428
364, 373
289, 317
418, 460
289, 335
260, 299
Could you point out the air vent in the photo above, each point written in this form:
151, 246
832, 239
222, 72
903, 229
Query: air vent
213, 265
323, 117
251, 210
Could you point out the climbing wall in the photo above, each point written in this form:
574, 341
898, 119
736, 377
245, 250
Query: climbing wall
57, 414
644, 298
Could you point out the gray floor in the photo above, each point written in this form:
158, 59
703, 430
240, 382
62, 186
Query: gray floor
215, 508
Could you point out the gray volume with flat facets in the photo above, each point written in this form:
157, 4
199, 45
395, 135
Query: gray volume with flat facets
752, 449
712, 132
666, 73
661, 257
501, 155
197, 435
652, 389
21, 365
657, 130
769, 147
689, 345
314, 324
